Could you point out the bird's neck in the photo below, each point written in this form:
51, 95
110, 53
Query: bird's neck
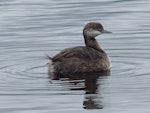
92, 42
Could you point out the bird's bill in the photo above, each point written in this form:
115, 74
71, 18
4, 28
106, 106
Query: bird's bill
105, 31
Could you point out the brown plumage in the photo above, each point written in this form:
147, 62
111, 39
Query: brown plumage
90, 58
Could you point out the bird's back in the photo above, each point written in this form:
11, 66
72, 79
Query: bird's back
79, 60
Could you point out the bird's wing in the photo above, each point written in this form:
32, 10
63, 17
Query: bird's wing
78, 52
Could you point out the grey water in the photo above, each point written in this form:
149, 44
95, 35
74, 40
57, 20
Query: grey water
32, 29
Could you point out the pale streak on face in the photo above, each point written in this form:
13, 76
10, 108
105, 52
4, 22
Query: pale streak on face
93, 33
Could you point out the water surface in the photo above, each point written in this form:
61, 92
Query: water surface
31, 29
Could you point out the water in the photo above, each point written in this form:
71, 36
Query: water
31, 29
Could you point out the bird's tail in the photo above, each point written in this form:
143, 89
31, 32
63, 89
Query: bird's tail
48, 57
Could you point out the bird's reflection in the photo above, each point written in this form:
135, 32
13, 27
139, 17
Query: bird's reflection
92, 87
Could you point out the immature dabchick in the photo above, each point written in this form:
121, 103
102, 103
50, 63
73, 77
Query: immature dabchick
82, 59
